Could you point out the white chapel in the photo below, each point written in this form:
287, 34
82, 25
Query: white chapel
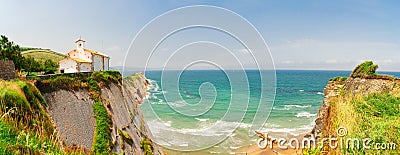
83, 60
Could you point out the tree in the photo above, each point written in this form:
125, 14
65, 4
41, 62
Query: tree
31, 65
49, 66
9, 51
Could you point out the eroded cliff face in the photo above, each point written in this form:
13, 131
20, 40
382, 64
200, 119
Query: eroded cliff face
73, 116
75, 122
351, 86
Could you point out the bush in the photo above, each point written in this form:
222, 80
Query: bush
339, 78
364, 70
146, 146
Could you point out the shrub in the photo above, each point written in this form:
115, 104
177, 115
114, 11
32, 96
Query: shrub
145, 145
339, 78
364, 70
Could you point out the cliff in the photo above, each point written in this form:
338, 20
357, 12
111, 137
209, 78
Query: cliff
99, 112
352, 86
359, 107
25, 127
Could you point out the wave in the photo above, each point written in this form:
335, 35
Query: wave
290, 131
233, 147
223, 128
301, 90
320, 93
159, 101
202, 119
214, 152
288, 107
168, 123
305, 114
299, 106
271, 125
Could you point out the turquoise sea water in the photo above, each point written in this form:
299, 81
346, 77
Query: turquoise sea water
212, 95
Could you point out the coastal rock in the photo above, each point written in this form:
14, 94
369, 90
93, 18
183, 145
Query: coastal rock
351, 85
72, 113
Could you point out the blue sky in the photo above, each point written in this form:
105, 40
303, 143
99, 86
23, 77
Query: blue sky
334, 35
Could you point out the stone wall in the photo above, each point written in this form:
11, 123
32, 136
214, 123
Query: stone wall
7, 70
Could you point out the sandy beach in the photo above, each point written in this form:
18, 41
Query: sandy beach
255, 150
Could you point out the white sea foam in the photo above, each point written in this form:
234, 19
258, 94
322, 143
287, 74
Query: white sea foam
301, 90
320, 93
177, 103
290, 131
272, 125
245, 125
233, 147
184, 144
168, 123
305, 114
288, 107
202, 119
298, 106
221, 128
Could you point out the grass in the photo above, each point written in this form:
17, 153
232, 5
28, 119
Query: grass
102, 138
93, 82
375, 116
43, 54
135, 77
146, 146
25, 127
339, 78
125, 137
16, 141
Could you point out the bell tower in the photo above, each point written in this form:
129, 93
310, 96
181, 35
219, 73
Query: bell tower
79, 44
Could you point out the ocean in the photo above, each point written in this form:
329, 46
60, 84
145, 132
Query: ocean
205, 110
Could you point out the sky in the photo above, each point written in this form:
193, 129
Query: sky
309, 34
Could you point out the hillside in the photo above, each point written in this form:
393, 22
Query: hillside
25, 127
43, 54
91, 113
362, 112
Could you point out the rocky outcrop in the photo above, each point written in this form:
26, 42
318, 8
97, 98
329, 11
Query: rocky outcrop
352, 86
7, 70
332, 89
75, 122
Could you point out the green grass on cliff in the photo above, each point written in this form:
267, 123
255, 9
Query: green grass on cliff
365, 69
102, 137
93, 82
377, 117
25, 127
